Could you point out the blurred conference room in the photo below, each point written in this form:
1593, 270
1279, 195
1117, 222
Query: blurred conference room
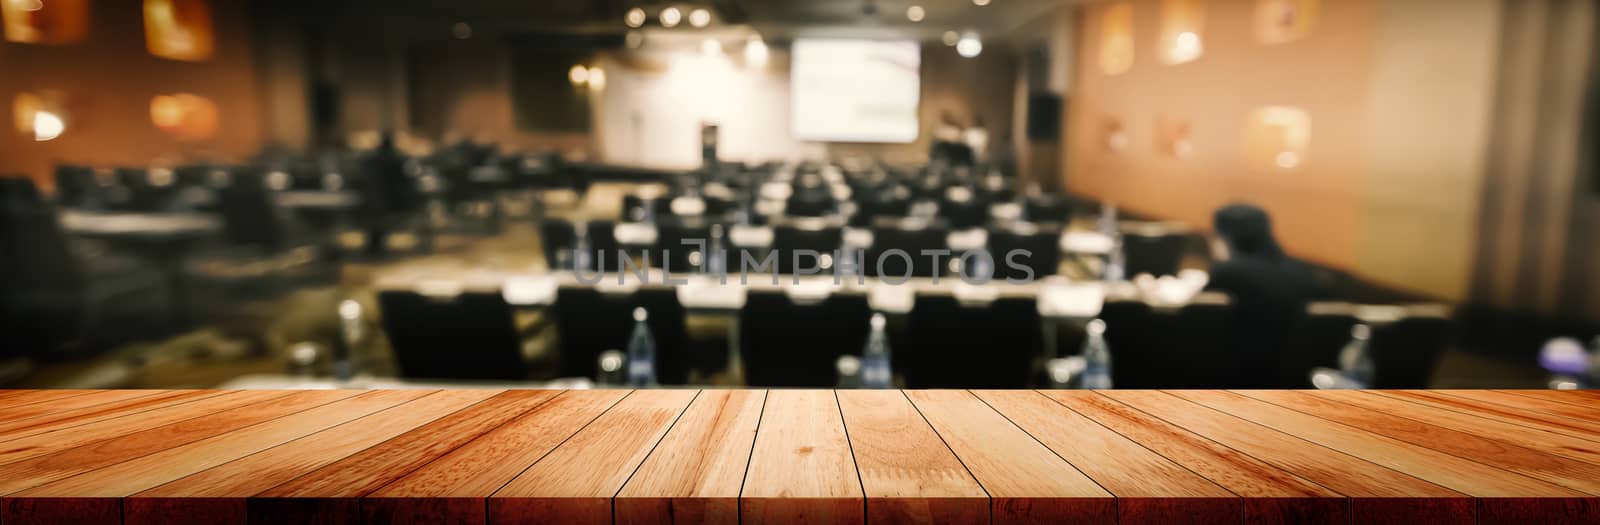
1125, 194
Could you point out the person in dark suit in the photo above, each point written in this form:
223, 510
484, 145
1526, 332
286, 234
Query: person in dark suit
1270, 291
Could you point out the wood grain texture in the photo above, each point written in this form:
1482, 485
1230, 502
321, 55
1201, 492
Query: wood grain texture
59, 419
107, 485
1378, 494
1493, 487
23, 413
1551, 442
44, 458
695, 473
1578, 428
907, 472
1273, 495
454, 488
1589, 399
574, 483
17, 398
801, 468
1026, 482
1582, 412
218, 494
1512, 457
1149, 488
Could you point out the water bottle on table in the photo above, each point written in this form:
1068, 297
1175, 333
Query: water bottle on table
641, 352
1096, 357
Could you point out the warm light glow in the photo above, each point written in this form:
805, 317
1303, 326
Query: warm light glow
755, 53
1181, 23
969, 46
34, 22
461, 30
1116, 39
1279, 21
597, 78
47, 126
710, 47
670, 17
579, 75
635, 17
915, 13
178, 29
634, 39
980, 3
1287, 159
185, 116
950, 38
699, 18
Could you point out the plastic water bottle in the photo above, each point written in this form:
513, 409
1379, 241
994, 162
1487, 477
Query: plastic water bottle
1355, 361
1115, 266
1108, 219
641, 352
1096, 357
714, 261
581, 253
875, 369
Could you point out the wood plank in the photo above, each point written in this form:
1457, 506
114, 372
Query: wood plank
13, 429
331, 494
908, 474
1149, 488
695, 473
40, 459
1564, 425
1512, 457
1273, 495
1026, 482
107, 486
1589, 414
1497, 490
218, 494
1378, 494
22, 413
454, 488
1589, 399
26, 397
574, 483
801, 469
1549, 442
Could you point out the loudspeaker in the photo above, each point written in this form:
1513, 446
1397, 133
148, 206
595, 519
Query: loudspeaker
1044, 116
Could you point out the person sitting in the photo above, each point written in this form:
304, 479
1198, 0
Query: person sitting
1270, 291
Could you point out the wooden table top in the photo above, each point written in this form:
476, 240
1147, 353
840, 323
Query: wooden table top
798, 456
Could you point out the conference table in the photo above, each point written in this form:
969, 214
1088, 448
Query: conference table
164, 238
798, 456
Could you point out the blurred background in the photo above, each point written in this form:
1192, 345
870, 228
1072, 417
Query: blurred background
1211, 193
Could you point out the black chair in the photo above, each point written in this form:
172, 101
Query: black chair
891, 202
1314, 341
1192, 345
1156, 251
1047, 207
58, 290
557, 238
1130, 334
1036, 249
465, 336
910, 237
590, 322
790, 344
963, 209
956, 345
76, 187
676, 249
790, 239
1406, 352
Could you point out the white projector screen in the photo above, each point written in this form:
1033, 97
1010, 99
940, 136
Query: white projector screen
855, 90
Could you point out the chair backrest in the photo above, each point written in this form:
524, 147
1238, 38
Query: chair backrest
467, 336
1131, 336
75, 187
1406, 352
673, 253
1047, 208
911, 240
787, 240
1158, 255
789, 344
590, 322
250, 216
557, 238
1042, 247
1314, 341
955, 345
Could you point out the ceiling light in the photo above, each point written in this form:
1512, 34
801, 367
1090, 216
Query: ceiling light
47, 126
670, 17
980, 3
597, 78
699, 17
1287, 159
635, 17
950, 38
915, 13
579, 75
969, 46
755, 52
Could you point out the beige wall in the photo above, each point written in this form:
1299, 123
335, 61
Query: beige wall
1398, 94
109, 79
